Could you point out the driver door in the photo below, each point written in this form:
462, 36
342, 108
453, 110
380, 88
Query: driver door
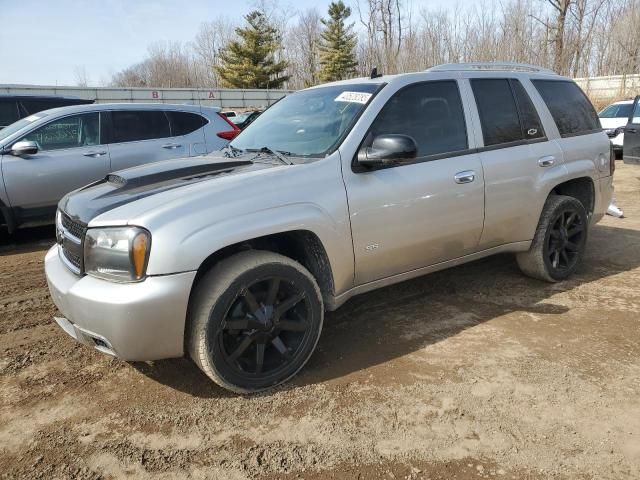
631, 146
70, 155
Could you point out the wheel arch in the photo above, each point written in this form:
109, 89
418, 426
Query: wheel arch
581, 188
303, 246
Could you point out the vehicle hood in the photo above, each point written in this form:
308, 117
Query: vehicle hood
127, 186
613, 122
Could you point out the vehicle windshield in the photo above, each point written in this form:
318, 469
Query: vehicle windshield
308, 123
20, 124
620, 110
241, 118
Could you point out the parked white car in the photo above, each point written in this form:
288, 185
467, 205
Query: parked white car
613, 119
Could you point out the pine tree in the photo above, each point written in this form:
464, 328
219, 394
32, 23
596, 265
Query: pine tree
249, 62
337, 44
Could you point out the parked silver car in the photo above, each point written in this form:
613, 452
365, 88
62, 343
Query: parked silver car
333, 191
48, 154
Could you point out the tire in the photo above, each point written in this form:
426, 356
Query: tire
252, 305
556, 251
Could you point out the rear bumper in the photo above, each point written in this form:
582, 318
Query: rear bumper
135, 321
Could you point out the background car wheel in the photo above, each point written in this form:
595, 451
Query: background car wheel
559, 242
255, 320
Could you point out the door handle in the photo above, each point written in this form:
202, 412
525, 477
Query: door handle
171, 146
95, 154
467, 176
631, 130
546, 161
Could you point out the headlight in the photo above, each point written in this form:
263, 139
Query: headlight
117, 254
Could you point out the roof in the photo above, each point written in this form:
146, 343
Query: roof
26, 96
100, 107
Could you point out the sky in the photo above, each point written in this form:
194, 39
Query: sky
46, 42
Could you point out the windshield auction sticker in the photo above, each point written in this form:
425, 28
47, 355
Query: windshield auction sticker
354, 97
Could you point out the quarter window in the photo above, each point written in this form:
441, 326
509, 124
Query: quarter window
569, 107
183, 123
430, 112
135, 125
529, 119
68, 132
498, 111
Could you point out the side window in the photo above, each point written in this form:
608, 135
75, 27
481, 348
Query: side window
569, 106
68, 132
531, 125
135, 125
183, 123
430, 112
8, 113
498, 111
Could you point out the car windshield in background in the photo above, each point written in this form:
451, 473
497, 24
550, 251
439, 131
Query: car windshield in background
20, 124
241, 118
622, 110
308, 123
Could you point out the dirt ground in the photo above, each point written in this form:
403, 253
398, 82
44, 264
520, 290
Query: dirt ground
474, 372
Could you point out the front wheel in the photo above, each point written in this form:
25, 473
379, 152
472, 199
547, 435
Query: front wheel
559, 242
255, 320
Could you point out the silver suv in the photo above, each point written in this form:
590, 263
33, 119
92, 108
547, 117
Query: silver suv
333, 191
48, 154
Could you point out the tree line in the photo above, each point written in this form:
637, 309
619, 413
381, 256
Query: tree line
271, 48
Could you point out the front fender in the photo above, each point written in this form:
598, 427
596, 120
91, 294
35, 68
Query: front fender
186, 252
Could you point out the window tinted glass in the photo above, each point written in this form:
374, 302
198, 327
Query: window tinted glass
498, 111
531, 125
67, 132
431, 113
570, 108
8, 113
35, 106
621, 110
183, 123
134, 125
635, 119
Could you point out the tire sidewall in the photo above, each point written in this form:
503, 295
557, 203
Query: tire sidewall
214, 356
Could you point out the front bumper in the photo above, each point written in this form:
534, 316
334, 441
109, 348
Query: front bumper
132, 321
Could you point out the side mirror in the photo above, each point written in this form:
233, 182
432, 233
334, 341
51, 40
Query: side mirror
388, 150
24, 147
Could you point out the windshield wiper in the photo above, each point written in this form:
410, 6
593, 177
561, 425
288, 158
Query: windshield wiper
279, 154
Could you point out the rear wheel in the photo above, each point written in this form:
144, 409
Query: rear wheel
559, 242
255, 321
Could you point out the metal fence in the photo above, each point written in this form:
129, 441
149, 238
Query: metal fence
610, 88
220, 97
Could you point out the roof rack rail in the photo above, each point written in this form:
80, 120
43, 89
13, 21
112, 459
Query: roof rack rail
490, 66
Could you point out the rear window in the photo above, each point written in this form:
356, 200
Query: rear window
569, 106
136, 125
183, 123
8, 113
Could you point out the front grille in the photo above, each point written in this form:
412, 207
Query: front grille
70, 239
73, 227
73, 258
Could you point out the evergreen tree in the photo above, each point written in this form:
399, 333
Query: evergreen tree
249, 62
337, 44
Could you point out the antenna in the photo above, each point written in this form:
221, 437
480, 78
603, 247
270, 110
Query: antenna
374, 73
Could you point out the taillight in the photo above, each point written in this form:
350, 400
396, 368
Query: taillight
612, 160
228, 134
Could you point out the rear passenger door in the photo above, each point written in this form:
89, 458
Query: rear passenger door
515, 156
142, 136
